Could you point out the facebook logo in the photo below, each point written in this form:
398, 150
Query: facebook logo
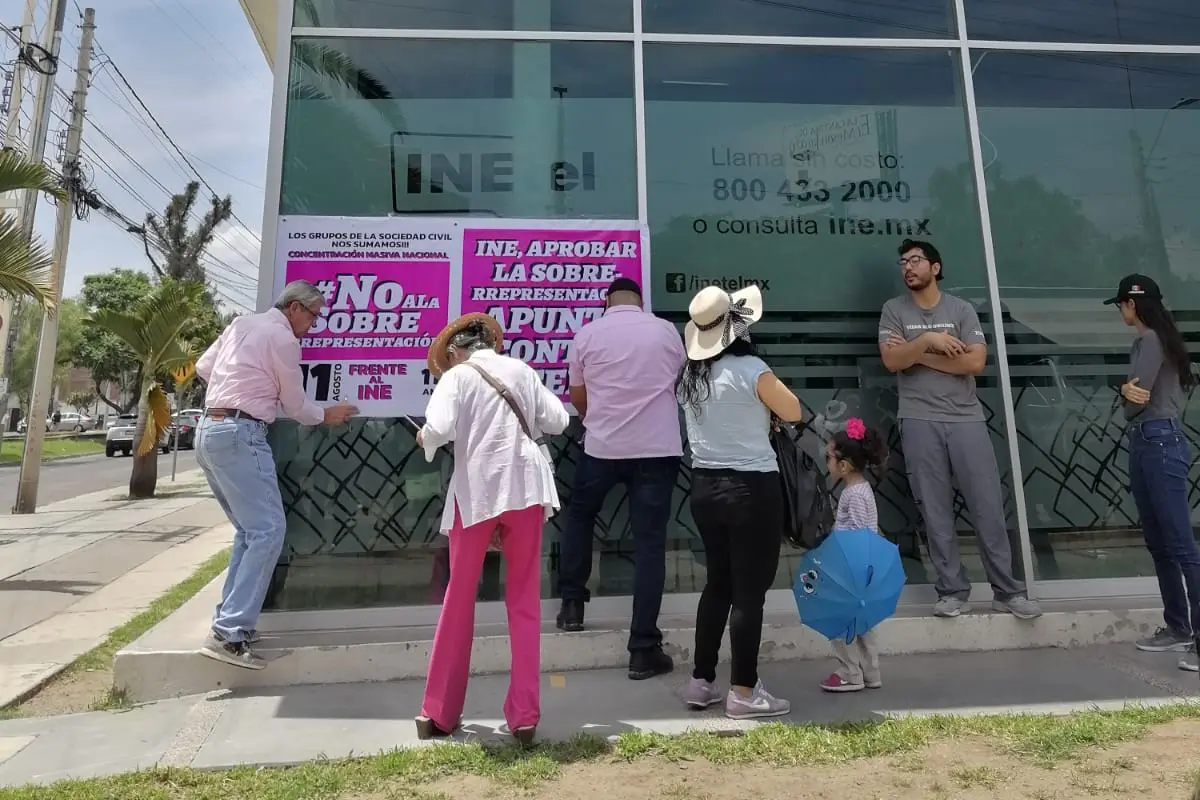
679, 282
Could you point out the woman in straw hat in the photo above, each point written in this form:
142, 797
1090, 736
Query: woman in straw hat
492, 407
729, 396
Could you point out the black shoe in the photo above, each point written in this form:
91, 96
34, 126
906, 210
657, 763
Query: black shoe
525, 736
644, 664
570, 617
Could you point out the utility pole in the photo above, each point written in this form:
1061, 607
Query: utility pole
12, 203
12, 128
43, 374
37, 154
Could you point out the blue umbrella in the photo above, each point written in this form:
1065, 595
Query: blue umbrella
849, 584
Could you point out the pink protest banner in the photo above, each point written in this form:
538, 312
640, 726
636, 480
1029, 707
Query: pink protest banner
545, 284
375, 311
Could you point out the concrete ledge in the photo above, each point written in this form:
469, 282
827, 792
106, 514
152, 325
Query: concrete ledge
164, 663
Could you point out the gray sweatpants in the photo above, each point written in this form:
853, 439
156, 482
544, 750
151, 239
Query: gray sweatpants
938, 455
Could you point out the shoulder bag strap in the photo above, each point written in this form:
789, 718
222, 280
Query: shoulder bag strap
502, 390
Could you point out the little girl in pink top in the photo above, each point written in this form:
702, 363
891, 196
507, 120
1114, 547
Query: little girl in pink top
847, 456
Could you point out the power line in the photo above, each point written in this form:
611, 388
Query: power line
127, 187
124, 80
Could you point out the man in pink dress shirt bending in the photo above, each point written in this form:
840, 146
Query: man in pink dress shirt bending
251, 370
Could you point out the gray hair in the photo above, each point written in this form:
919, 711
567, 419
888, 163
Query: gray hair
475, 336
301, 292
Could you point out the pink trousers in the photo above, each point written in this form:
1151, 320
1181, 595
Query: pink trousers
520, 534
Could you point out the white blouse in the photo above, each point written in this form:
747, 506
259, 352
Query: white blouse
497, 468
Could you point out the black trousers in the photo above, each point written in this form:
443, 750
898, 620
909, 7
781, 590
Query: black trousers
740, 519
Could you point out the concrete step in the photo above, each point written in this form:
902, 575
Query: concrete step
164, 663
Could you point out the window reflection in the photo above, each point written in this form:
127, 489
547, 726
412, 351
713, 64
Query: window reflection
906, 19
492, 15
1068, 223
1119, 21
807, 187
379, 126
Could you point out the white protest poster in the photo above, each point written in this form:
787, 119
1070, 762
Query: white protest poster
391, 285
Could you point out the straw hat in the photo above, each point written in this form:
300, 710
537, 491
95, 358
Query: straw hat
718, 318
439, 359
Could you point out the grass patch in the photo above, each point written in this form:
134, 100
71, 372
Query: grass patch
1042, 740
12, 450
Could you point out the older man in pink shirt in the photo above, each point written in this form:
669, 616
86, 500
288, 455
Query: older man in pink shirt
252, 370
623, 368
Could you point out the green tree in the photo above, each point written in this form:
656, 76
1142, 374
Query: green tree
151, 328
103, 353
81, 401
25, 267
180, 247
29, 330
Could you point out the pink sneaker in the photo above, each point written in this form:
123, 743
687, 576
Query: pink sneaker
835, 683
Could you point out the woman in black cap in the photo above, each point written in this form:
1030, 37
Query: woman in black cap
1155, 393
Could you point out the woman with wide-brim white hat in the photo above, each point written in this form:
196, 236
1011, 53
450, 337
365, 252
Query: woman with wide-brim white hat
729, 395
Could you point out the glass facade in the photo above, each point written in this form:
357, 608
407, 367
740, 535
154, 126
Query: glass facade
790, 144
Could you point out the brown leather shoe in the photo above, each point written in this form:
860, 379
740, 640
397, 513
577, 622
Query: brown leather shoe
428, 729
525, 736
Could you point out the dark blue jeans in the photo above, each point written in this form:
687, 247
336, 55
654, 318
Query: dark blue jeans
649, 483
1158, 475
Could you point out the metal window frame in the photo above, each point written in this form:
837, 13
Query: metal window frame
683, 604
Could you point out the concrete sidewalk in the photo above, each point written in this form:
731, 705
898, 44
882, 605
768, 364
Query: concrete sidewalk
301, 723
77, 570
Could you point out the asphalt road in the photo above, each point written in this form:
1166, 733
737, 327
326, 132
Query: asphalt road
66, 478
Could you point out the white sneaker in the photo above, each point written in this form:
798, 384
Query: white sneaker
760, 703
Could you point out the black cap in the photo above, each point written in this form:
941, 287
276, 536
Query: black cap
1133, 286
623, 284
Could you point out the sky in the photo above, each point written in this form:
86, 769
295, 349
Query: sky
198, 69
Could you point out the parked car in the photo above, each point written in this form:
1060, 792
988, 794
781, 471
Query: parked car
186, 422
72, 421
119, 438
68, 421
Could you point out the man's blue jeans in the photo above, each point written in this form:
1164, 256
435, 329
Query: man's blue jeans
1158, 475
649, 484
237, 461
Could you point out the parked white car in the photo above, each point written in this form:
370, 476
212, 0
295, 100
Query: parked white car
69, 421
119, 438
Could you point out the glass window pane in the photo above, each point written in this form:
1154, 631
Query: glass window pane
808, 187
1124, 21
910, 19
506, 129
488, 15
1092, 173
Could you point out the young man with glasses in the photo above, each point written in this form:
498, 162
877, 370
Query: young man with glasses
935, 345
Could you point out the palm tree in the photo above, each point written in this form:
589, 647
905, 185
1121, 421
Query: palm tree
152, 329
181, 247
25, 266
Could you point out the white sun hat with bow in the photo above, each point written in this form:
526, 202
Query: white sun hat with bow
718, 318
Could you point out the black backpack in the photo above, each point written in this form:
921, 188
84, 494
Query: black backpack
807, 502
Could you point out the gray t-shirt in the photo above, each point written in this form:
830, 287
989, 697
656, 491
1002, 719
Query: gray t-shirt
1156, 375
731, 429
925, 393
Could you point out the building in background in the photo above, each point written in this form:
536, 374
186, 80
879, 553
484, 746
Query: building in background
791, 144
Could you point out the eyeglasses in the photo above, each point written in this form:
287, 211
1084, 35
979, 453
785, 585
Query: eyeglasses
911, 261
